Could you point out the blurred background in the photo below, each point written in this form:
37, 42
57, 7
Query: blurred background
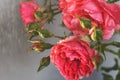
16, 61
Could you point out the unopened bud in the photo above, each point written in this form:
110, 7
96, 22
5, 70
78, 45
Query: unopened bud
38, 47
96, 34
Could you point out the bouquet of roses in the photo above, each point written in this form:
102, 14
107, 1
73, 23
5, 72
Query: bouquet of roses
78, 54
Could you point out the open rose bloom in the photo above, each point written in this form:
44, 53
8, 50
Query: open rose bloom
27, 10
74, 58
101, 14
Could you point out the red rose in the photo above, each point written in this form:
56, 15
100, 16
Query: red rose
73, 58
27, 10
105, 16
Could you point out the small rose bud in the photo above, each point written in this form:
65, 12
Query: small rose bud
38, 47
96, 34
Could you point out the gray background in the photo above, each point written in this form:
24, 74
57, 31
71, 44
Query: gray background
16, 61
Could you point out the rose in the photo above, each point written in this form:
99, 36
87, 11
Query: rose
102, 15
73, 58
98, 11
27, 10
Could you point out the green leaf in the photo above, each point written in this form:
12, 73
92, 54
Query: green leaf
45, 61
44, 33
118, 75
33, 26
117, 44
113, 52
112, 1
107, 77
85, 23
98, 34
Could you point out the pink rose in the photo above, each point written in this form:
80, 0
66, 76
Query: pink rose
27, 10
105, 16
73, 58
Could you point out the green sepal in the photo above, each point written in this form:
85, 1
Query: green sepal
44, 62
38, 14
85, 23
44, 33
96, 35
